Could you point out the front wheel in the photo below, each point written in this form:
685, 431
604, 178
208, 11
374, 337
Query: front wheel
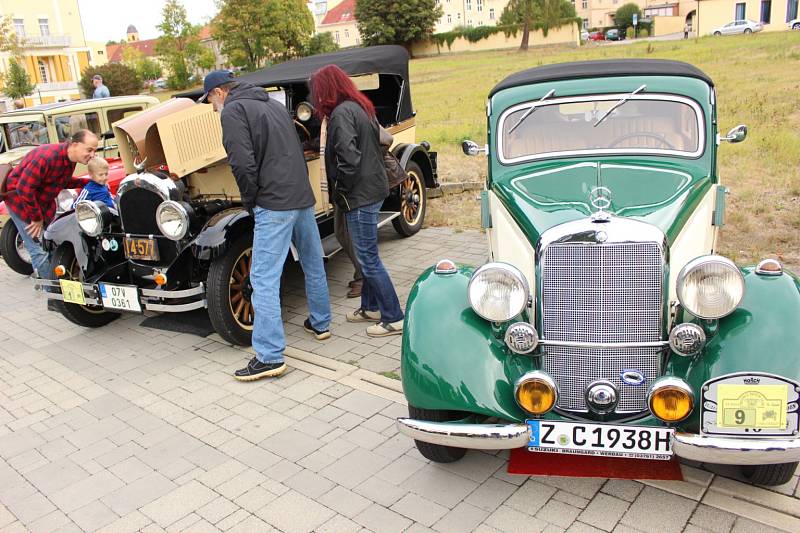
769, 475
13, 250
413, 202
229, 293
436, 452
88, 316
796, 27
717, 33
747, 31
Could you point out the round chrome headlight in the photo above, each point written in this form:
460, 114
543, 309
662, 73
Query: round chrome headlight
710, 287
498, 292
65, 199
90, 217
304, 111
172, 219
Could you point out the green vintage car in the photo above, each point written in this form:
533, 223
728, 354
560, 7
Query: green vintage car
604, 322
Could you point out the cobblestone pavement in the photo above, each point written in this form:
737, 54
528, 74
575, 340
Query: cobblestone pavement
132, 429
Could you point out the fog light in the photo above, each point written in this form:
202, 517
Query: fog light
160, 279
670, 399
687, 339
536, 392
445, 266
59, 271
769, 267
522, 338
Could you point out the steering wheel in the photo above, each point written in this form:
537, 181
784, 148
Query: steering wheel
654, 136
303, 129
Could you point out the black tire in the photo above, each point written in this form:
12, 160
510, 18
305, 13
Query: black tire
228, 293
717, 33
796, 27
10, 243
87, 316
769, 475
747, 31
413, 202
436, 452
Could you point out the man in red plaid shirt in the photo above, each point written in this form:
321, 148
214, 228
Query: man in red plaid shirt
33, 185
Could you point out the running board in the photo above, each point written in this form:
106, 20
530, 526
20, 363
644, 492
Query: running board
330, 244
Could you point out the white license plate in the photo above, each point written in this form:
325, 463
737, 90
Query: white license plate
122, 297
641, 442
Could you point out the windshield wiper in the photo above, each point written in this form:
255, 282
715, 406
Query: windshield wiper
530, 111
621, 101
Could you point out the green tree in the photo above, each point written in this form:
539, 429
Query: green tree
538, 15
320, 43
120, 79
8, 38
179, 45
624, 16
392, 22
253, 31
17, 82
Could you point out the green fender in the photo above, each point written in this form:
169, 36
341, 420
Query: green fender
451, 359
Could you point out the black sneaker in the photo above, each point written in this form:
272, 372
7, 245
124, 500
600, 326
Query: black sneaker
319, 335
255, 369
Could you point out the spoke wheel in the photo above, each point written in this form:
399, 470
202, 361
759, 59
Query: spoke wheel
13, 250
413, 202
229, 292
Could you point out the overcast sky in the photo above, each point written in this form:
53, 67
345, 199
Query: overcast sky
105, 20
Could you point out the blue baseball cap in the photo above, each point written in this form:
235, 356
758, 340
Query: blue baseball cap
214, 79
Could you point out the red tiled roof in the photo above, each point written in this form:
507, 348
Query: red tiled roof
146, 47
344, 12
205, 33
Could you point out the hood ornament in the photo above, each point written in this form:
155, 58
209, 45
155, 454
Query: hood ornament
600, 198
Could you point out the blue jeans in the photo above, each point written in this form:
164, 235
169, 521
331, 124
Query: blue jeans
377, 292
40, 259
274, 231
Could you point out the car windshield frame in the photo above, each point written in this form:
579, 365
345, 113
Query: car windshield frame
7, 122
612, 98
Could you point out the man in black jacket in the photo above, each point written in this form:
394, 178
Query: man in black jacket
267, 160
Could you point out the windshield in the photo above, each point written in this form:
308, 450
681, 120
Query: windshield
25, 133
569, 126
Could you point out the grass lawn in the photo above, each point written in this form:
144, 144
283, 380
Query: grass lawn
758, 84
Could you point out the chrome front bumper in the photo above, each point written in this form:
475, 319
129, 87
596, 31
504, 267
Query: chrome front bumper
716, 450
150, 299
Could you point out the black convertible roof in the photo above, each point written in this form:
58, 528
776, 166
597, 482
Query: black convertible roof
601, 69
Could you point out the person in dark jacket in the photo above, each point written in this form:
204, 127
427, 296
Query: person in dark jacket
354, 163
267, 160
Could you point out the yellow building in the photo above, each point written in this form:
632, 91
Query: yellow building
53, 48
773, 14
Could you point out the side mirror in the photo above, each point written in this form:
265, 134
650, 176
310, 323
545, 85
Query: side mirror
736, 135
471, 148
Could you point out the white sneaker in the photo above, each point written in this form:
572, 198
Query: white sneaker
360, 315
384, 329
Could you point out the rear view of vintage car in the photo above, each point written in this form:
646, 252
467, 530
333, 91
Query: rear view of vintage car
182, 240
605, 323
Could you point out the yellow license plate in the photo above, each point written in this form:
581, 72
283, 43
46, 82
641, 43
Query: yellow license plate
72, 291
141, 248
752, 406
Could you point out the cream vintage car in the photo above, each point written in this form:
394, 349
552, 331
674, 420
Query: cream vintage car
183, 240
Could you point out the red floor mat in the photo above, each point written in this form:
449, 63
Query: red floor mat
521, 461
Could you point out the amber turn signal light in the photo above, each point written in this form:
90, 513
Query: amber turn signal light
670, 399
59, 271
536, 392
160, 279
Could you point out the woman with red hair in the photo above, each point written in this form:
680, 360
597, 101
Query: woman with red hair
354, 165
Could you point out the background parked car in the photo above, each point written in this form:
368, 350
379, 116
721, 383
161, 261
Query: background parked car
738, 26
597, 36
584, 35
615, 34
794, 24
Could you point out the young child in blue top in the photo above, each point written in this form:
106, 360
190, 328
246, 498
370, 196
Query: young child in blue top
97, 189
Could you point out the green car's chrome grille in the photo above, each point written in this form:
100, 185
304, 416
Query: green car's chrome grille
602, 293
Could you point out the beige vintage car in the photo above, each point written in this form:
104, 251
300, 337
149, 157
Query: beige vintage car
182, 240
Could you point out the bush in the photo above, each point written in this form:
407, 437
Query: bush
644, 33
119, 79
629, 33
